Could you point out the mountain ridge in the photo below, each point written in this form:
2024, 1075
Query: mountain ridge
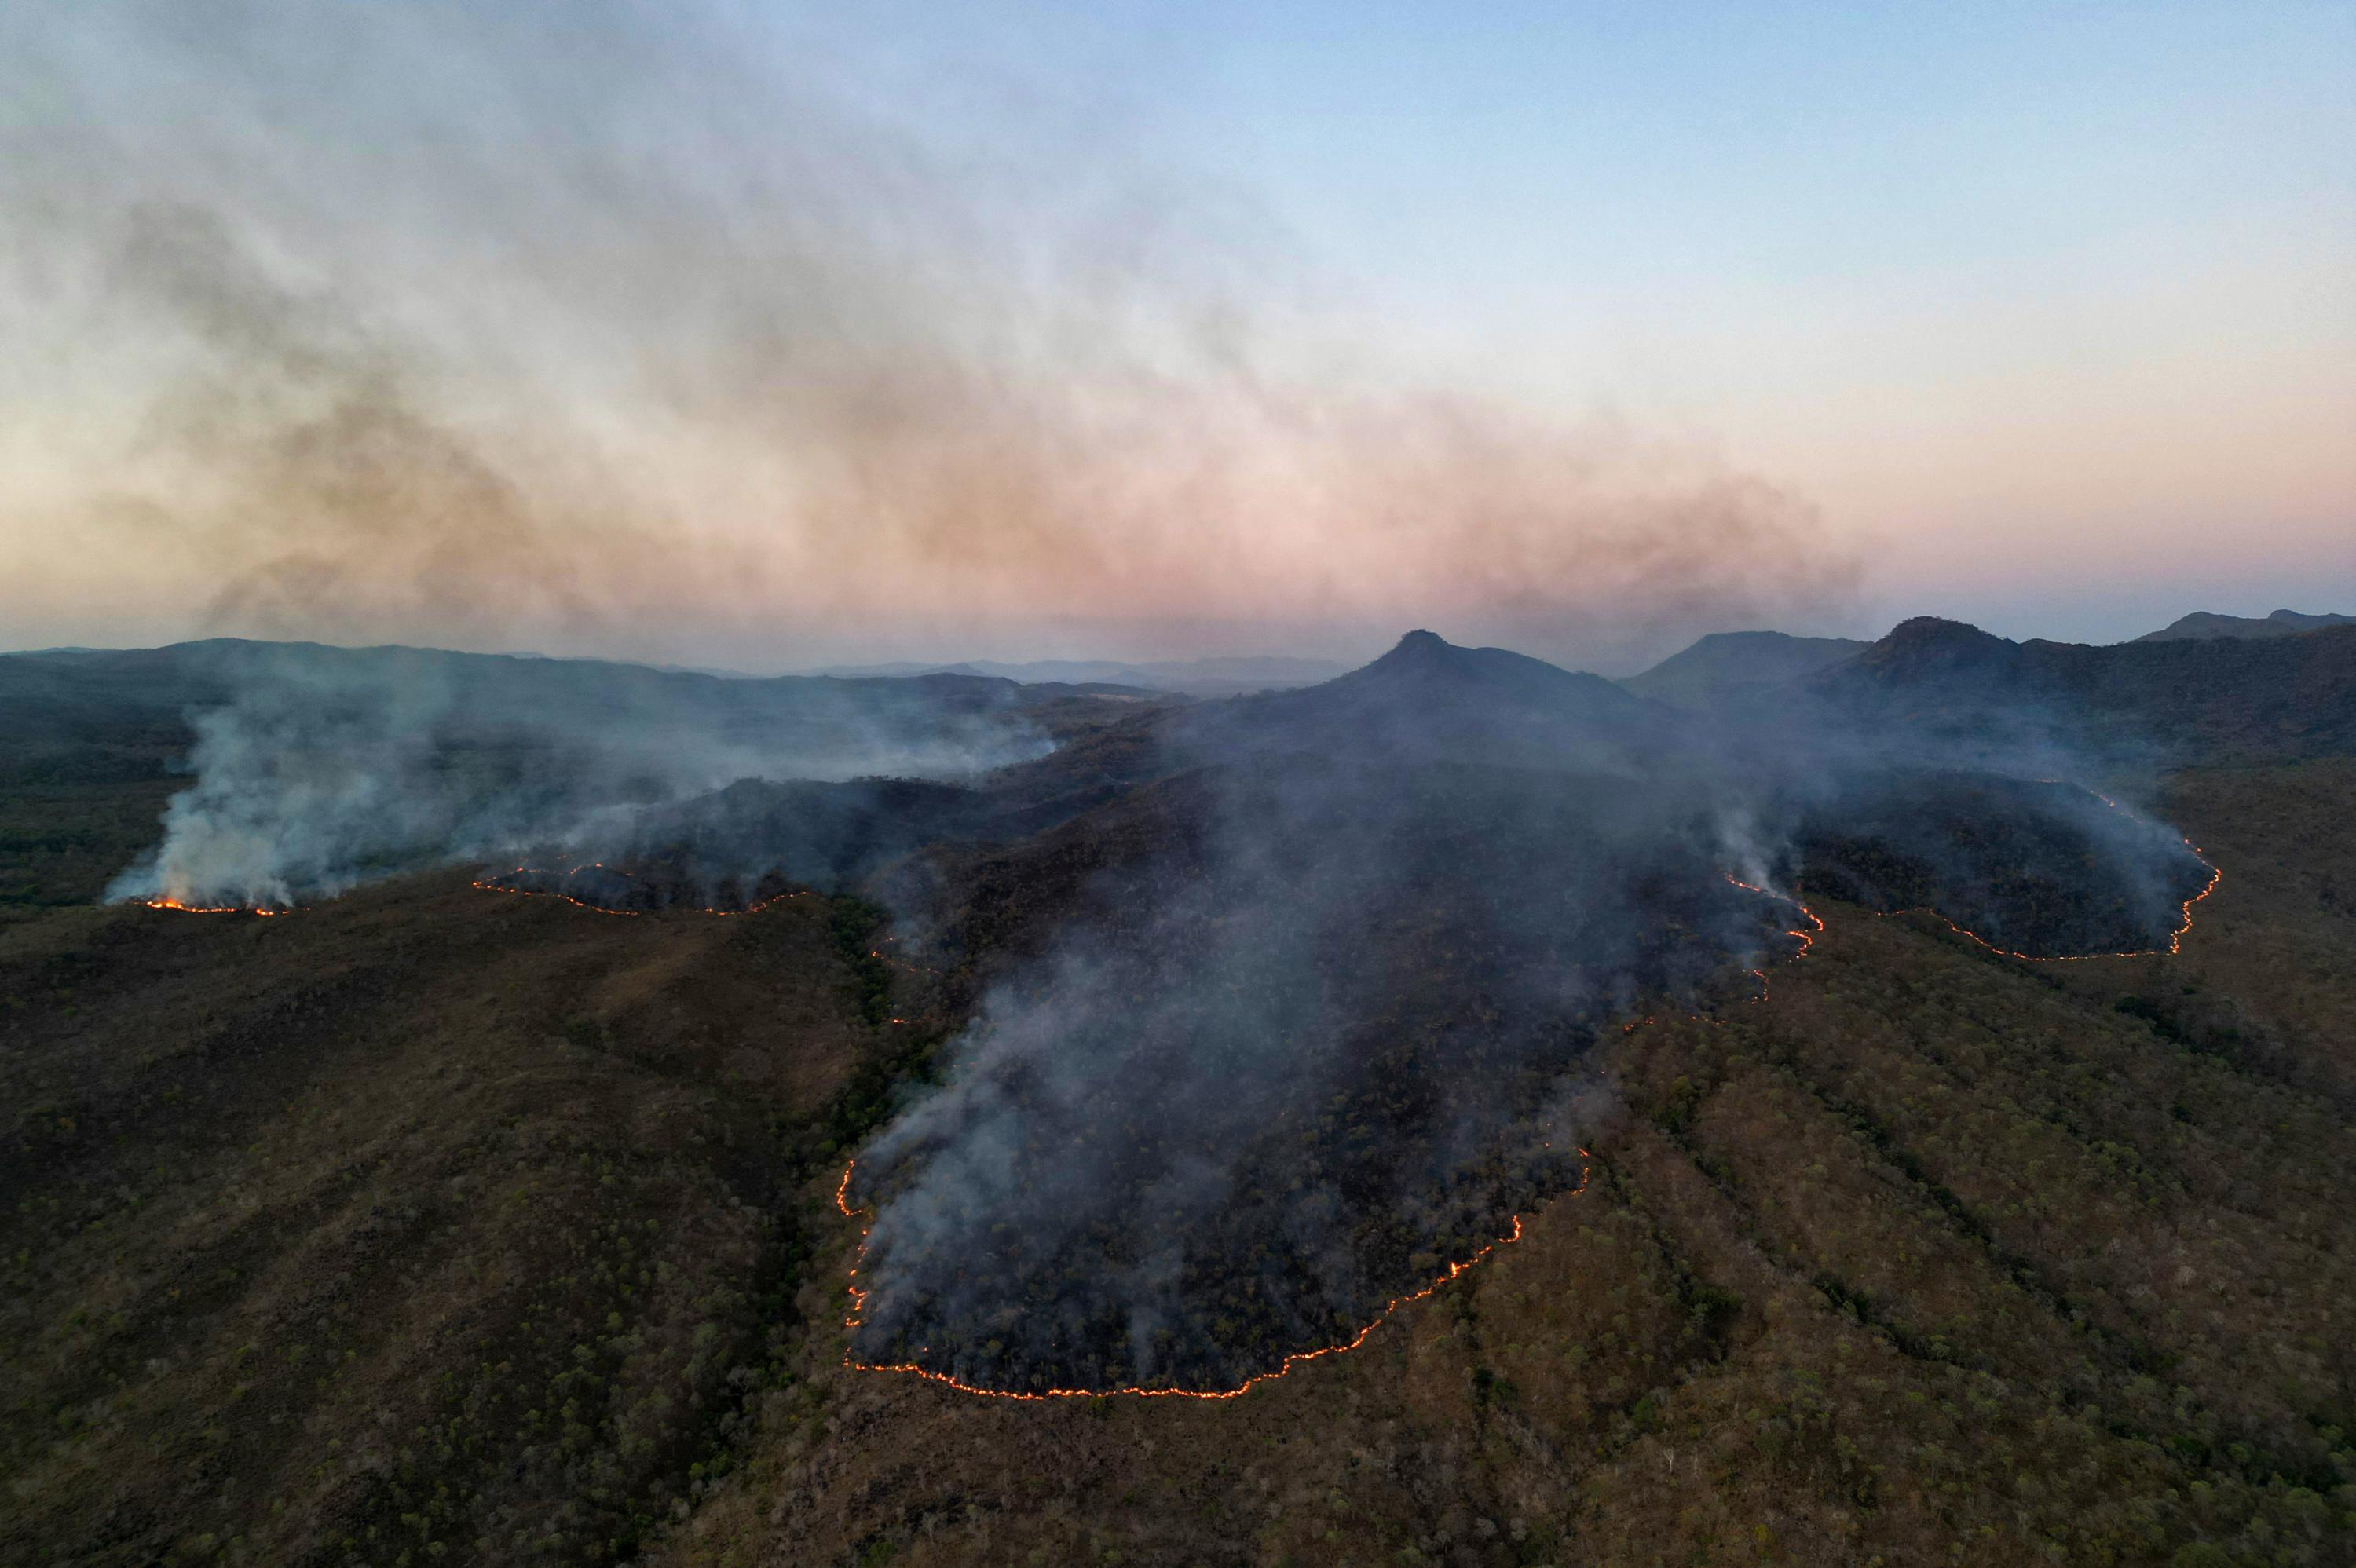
2207, 623
1719, 665
2207, 700
483, 1226
1214, 676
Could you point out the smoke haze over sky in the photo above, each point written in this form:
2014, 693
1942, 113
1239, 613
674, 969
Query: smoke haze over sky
735, 334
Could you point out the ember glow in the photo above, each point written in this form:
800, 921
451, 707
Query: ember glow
505, 884
1109, 1000
1806, 935
575, 879
858, 1295
2175, 937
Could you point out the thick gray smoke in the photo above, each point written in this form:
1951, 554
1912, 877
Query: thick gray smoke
675, 332
1309, 1010
674, 335
1255, 1084
323, 767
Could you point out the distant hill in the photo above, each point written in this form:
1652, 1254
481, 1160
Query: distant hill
2202, 623
1427, 663
1429, 700
438, 1221
2209, 700
1225, 676
394, 738
70, 690
1727, 664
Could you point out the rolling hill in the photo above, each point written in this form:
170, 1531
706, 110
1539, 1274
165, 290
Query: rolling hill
2203, 623
438, 1221
2210, 700
1727, 667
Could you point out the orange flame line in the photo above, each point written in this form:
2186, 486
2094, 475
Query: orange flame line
859, 1304
858, 1295
1808, 939
2174, 938
494, 887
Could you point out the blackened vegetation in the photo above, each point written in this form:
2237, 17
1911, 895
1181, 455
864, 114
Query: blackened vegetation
1303, 1014
1276, 1006
1279, 1006
321, 1226
2041, 868
1258, 1083
742, 843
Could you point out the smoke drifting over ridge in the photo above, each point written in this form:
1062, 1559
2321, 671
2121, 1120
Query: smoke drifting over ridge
1272, 1006
322, 768
1307, 1012
589, 331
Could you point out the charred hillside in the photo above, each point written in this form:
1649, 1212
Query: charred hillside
1252, 1089
1268, 1004
1217, 1036
1307, 1005
2216, 700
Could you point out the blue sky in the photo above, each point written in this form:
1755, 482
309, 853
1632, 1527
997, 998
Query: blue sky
1789, 223
2039, 316
1968, 274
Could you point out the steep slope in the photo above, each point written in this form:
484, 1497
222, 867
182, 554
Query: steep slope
1429, 699
1426, 699
1728, 667
433, 1221
2206, 700
501, 1226
1425, 664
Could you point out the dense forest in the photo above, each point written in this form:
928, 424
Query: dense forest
439, 1223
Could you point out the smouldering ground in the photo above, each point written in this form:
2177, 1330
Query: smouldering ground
1936, 1256
439, 1218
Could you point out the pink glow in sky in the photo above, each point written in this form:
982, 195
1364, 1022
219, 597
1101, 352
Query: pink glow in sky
763, 340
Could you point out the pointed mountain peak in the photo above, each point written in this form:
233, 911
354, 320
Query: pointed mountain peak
1419, 647
1425, 662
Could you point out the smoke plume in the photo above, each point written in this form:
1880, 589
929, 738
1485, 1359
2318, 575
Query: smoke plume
320, 768
676, 335
591, 330
1310, 1010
